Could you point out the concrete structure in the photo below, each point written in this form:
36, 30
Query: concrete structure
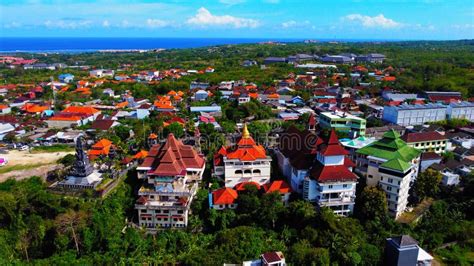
410, 115
403, 251
392, 165
171, 173
343, 122
462, 110
82, 175
244, 162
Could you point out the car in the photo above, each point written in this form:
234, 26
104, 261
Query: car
23, 148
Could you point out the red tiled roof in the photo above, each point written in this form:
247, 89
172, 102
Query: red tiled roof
423, 136
333, 146
241, 186
277, 185
81, 109
331, 173
172, 158
224, 196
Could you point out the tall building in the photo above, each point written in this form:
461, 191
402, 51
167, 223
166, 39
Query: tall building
392, 165
319, 170
343, 122
244, 162
430, 141
171, 173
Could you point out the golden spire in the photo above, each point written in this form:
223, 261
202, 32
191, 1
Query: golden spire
245, 132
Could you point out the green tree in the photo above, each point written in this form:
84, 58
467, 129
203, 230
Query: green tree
427, 183
175, 128
302, 253
371, 204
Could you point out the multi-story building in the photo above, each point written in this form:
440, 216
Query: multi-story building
462, 110
418, 114
392, 165
431, 141
171, 173
319, 170
343, 122
244, 162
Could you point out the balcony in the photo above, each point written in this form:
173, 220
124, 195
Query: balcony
178, 190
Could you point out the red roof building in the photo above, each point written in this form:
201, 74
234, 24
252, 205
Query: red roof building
244, 162
171, 172
224, 198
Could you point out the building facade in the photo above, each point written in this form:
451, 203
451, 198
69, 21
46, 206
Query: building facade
343, 122
244, 162
462, 110
410, 115
431, 141
392, 165
171, 173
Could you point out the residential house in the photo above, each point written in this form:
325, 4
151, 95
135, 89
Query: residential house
223, 198
201, 95
102, 148
171, 173
281, 187
392, 165
104, 124
371, 58
5, 109
428, 159
66, 78
274, 60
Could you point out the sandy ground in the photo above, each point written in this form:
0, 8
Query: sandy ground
45, 161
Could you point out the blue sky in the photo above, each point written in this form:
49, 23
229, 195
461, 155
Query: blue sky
308, 19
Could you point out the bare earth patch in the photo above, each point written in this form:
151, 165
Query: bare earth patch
23, 164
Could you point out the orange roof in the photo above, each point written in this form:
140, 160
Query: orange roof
121, 105
163, 104
65, 118
224, 196
180, 93
253, 95
241, 186
34, 108
102, 147
172, 93
81, 109
246, 150
141, 154
3, 106
274, 96
277, 185
153, 136
389, 78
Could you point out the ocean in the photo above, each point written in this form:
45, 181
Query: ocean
86, 44
77, 45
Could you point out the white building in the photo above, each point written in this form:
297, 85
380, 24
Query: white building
244, 162
410, 115
462, 110
392, 165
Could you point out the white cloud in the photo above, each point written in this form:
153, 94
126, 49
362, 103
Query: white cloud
379, 21
13, 25
156, 23
291, 24
272, 1
204, 18
231, 2
105, 24
463, 26
67, 24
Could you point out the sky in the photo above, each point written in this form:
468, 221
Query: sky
301, 19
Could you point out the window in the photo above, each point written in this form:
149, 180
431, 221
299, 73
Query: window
390, 180
344, 186
238, 172
389, 188
247, 171
257, 171
166, 211
371, 176
180, 211
330, 186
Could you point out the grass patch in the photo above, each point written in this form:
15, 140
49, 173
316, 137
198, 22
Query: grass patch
19, 167
418, 211
54, 148
457, 254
